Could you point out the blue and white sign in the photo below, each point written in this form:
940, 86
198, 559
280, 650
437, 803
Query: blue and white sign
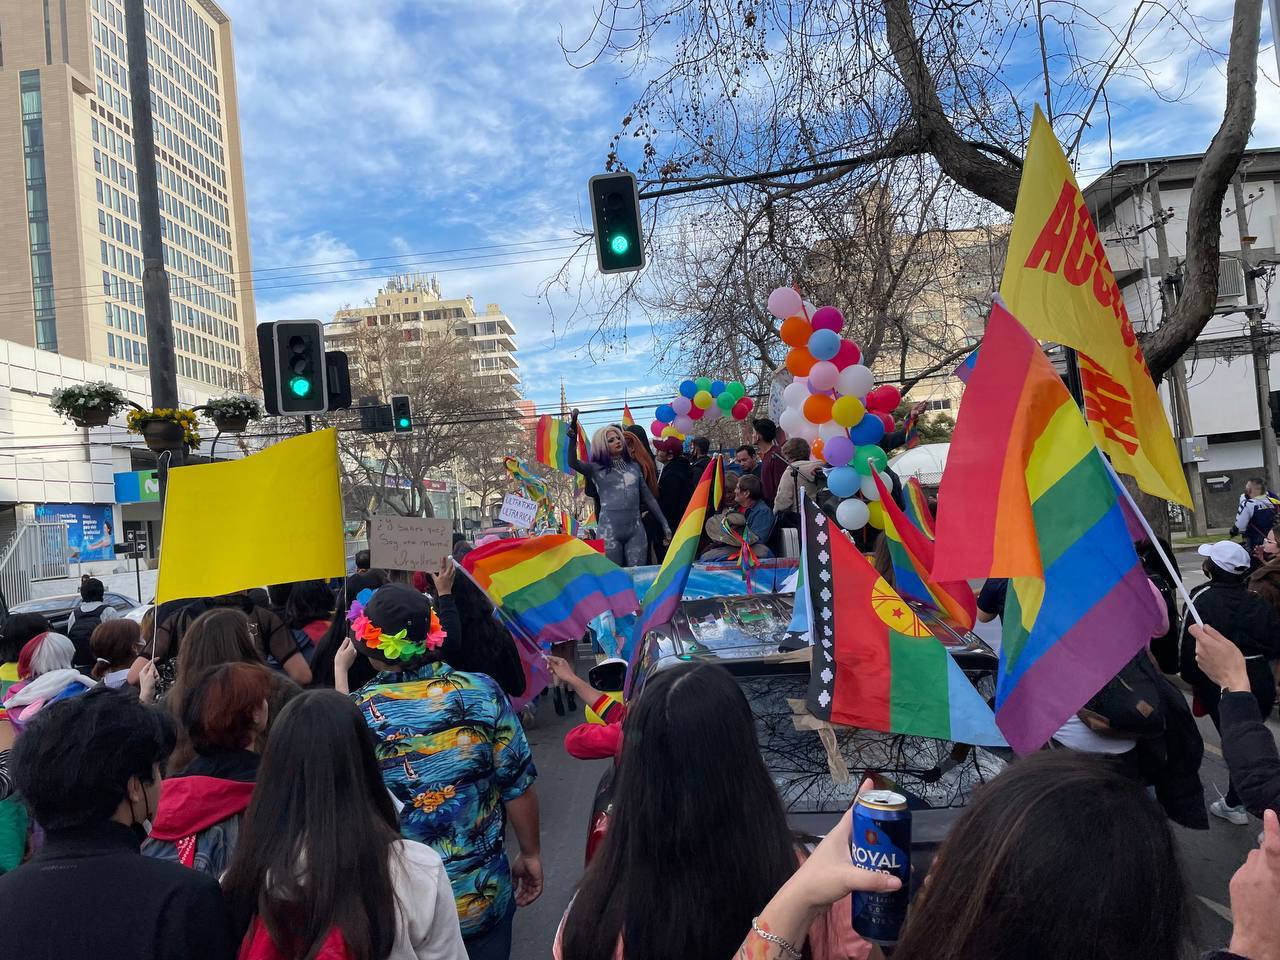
90, 531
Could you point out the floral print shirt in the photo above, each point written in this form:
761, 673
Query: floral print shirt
452, 752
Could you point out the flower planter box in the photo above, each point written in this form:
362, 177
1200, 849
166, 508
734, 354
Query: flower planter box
162, 435
90, 417
231, 424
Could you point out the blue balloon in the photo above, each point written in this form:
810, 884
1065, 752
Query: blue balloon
824, 344
666, 413
843, 481
717, 387
870, 429
688, 388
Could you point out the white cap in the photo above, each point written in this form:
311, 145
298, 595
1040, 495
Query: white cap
1226, 555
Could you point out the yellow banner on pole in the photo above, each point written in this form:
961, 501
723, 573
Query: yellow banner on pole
273, 517
1059, 284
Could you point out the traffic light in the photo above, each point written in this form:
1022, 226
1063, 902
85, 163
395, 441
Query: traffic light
301, 379
401, 417
615, 217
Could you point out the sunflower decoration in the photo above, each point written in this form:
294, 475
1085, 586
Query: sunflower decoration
186, 419
395, 624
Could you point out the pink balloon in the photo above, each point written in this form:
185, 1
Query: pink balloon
887, 420
682, 406
657, 427
847, 355
838, 451
823, 376
828, 318
785, 302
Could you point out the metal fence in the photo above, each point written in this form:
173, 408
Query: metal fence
38, 551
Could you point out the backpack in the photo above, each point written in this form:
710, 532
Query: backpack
80, 632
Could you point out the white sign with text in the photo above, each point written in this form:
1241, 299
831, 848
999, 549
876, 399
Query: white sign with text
409, 543
518, 511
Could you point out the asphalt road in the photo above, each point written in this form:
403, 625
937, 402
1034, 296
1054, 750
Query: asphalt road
566, 786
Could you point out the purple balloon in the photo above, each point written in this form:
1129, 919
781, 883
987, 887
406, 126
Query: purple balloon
838, 451
682, 406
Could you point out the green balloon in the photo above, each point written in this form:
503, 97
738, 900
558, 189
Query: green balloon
736, 388
869, 457
726, 400
704, 383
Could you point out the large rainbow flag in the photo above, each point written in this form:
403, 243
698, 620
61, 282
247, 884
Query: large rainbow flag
551, 586
663, 596
1027, 495
912, 554
875, 663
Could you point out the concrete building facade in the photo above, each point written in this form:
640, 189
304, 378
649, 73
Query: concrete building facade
70, 250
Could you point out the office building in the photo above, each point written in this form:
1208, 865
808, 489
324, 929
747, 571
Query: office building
70, 250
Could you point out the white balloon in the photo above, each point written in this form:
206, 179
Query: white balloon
868, 488
852, 514
809, 432
792, 421
796, 393
855, 381
808, 309
830, 429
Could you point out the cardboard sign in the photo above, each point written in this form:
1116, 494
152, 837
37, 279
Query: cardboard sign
409, 543
518, 511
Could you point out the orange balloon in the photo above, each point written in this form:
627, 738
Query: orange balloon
800, 361
796, 331
817, 409
815, 449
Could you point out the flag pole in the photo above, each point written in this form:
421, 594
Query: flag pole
1155, 542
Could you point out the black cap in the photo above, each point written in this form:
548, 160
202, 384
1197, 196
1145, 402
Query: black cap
406, 624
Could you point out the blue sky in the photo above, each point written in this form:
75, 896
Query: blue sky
424, 129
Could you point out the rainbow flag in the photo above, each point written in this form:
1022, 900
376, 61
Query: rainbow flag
966, 368
551, 586
912, 554
875, 663
912, 432
916, 506
627, 419
552, 443
1027, 495
663, 595
568, 523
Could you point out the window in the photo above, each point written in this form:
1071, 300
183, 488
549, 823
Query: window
38, 203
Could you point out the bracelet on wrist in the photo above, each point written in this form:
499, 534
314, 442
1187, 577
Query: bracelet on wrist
785, 945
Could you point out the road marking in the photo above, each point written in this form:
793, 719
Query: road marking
1219, 909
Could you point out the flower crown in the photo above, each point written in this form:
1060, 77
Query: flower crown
396, 646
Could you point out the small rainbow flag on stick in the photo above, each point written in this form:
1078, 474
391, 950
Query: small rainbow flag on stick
916, 507
912, 554
568, 523
1027, 495
875, 664
627, 419
551, 586
663, 596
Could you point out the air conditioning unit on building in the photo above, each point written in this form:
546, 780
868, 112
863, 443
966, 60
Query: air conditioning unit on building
1230, 278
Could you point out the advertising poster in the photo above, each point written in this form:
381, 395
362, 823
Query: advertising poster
90, 533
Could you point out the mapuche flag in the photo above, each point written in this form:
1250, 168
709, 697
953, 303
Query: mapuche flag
875, 663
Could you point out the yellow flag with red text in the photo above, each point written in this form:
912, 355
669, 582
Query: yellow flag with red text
1059, 284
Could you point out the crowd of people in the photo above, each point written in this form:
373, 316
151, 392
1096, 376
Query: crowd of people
335, 769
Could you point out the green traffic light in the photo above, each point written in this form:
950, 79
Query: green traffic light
404, 423
300, 386
619, 244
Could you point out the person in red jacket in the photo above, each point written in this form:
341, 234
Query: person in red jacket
600, 738
197, 821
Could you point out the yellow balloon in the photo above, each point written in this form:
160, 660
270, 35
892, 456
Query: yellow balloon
847, 411
703, 399
670, 431
876, 509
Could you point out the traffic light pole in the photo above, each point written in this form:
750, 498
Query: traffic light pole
155, 281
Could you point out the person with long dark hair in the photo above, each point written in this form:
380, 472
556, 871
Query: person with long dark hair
452, 753
1095, 849
321, 864
697, 840
483, 645
308, 613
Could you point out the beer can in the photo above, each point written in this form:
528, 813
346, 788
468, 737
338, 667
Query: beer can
881, 841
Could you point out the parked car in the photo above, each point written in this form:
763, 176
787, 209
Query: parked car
748, 635
57, 609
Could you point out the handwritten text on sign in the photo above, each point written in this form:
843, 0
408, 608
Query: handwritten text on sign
409, 543
518, 511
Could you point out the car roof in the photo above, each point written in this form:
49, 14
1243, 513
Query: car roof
64, 601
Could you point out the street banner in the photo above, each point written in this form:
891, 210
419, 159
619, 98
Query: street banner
409, 543
273, 517
1059, 284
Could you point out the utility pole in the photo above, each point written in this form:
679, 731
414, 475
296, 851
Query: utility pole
155, 281
1196, 520
1258, 339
